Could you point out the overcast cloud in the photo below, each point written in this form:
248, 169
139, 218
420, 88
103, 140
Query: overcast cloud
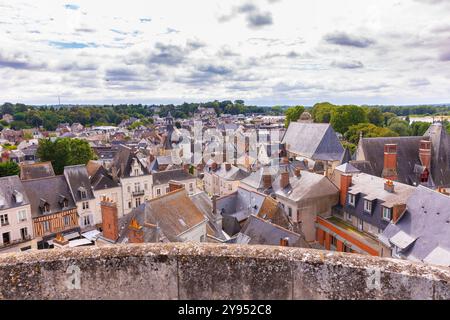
265, 52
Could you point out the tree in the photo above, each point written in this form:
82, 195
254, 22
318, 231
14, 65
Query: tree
375, 116
64, 152
293, 114
399, 126
9, 168
343, 117
418, 128
368, 130
321, 112
388, 116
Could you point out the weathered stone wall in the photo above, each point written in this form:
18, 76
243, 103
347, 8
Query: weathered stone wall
214, 271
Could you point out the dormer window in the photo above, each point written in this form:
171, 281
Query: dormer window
44, 206
18, 197
387, 214
83, 193
368, 206
351, 199
63, 202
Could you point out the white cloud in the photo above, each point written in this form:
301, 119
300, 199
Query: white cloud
263, 51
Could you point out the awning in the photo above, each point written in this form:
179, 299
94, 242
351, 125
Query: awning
79, 242
91, 235
402, 240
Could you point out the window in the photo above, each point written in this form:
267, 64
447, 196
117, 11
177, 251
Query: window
345, 248
158, 192
138, 202
368, 206
145, 186
230, 187
129, 204
129, 189
167, 190
191, 187
24, 233
333, 241
6, 238
87, 220
360, 224
22, 215
137, 187
136, 172
290, 212
351, 199
67, 220
46, 225
387, 214
348, 216
85, 205
4, 220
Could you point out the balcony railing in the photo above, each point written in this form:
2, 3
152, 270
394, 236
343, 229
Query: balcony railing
138, 193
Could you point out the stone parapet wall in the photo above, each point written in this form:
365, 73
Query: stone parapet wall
214, 271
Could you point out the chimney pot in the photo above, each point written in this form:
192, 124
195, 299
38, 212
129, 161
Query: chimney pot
389, 186
284, 180
284, 242
228, 166
267, 181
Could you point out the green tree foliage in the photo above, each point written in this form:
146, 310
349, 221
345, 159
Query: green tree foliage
9, 168
375, 116
351, 146
64, 152
419, 128
387, 116
399, 126
321, 112
368, 130
343, 117
293, 114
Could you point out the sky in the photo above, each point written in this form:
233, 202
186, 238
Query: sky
265, 52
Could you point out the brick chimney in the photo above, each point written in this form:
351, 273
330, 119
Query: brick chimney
228, 166
284, 179
135, 232
425, 153
175, 185
390, 162
110, 219
284, 242
267, 180
397, 211
346, 182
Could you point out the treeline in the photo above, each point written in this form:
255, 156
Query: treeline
26, 116
416, 110
351, 121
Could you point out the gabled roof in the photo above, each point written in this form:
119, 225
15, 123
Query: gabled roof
12, 193
102, 180
50, 190
36, 170
78, 180
123, 160
427, 220
260, 231
163, 177
440, 162
317, 141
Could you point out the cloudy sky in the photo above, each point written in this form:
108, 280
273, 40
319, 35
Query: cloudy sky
265, 52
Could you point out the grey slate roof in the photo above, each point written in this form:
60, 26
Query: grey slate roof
78, 179
123, 160
427, 222
317, 141
102, 180
372, 150
259, 231
163, 177
11, 192
52, 190
347, 168
36, 170
440, 162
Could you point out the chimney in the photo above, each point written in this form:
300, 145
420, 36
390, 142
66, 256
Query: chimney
228, 166
60, 241
175, 185
214, 166
389, 186
284, 179
284, 242
267, 181
390, 162
135, 232
110, 219
397, 211
297, 172
425, 153
346, 182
